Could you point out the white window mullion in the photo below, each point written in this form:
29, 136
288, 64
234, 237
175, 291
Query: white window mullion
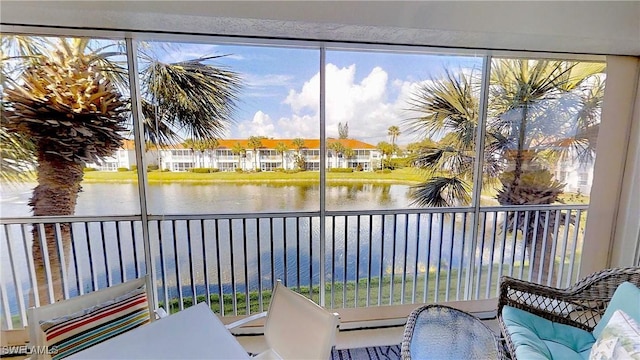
477, 170
323, 174
138, 134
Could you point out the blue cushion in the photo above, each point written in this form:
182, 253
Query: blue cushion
625, 298
538, 338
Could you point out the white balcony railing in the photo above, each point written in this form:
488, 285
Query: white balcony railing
231, 261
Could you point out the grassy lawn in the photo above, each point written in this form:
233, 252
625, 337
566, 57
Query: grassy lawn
406, 175
456, 291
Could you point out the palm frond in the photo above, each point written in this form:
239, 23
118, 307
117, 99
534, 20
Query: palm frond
17, 160
197, 98
440, 192
449, 104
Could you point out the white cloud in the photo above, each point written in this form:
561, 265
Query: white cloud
259, 81
367, 105
260, 125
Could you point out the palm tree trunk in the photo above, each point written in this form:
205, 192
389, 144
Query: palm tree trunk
56, 194
522, 133
542, 255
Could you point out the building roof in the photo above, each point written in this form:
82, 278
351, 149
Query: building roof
273, 143
289, 143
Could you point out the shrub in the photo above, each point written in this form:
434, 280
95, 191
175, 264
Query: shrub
200, 170
134, 167
258, 170
278, 169
359, 167
89, 169
341, 170
399, 163
214, 170
152, 167
123, 169
239, 170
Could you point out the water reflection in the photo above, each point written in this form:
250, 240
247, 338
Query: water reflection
103, 199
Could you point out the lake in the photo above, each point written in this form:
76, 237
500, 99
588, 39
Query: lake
279, 247
100, 199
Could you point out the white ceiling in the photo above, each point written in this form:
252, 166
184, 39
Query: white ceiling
590, 27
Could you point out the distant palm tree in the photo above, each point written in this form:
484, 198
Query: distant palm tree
338, 149
66, 96
281, 148
537, 110
393, 132
348, 153
191, 145
299, 144
255, 142
386, 150
212, 145
238, 150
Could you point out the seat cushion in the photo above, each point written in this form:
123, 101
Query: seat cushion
538, 338
88, 327
625, 298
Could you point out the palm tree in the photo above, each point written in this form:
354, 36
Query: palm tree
281, 148
212, 145
386, 150
16, 157
533, 113
299, 144
239, 150
393, 133
338, 149
255, 142
66, 96
191, 145
348, 153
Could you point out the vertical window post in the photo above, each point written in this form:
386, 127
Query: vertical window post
138, 134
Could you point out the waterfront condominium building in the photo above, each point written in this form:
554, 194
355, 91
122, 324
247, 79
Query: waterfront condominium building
267, 155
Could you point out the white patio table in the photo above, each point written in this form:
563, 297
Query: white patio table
194, 333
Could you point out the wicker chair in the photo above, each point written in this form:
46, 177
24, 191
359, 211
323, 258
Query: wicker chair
581, 305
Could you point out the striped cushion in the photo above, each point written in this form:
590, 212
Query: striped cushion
83, 329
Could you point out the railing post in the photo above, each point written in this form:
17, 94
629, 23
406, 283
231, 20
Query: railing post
477, 173
138, 135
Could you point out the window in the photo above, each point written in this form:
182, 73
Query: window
413, 168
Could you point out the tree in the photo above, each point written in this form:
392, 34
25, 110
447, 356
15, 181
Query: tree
212, 146
281, 148
66, 96
300, 161
348, 153
343, 130
191, 145
240, 151
537, 110
386, 150
338, 149
255, 142
393, 133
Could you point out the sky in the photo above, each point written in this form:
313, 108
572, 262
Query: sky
367, 90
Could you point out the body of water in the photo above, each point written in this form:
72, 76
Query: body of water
285, 248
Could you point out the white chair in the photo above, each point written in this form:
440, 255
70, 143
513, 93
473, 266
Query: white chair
295, 327
36, 315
